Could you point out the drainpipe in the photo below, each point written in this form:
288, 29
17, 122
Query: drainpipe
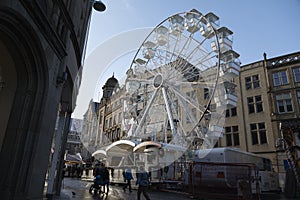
266, 72
269, 92
243, 111
270, 103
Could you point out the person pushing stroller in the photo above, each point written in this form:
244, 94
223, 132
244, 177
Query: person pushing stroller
101, 179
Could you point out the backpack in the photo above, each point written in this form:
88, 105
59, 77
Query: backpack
144, 181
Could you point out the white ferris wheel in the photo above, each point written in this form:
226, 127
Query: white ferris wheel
180, 82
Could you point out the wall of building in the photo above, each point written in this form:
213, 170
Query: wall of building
42, 43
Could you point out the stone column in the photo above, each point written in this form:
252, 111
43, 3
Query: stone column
60, 163
54, 169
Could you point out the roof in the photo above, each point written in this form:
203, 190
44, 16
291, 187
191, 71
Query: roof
111, 82
121, 147
144, 145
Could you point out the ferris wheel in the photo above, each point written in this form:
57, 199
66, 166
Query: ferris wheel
180, 82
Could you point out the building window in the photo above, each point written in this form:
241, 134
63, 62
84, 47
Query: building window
227, 113
228, 136
284, 103
206, 93
235, 133
115, 120
250, 105
296, 72
100, 118
252, 82
262, 133
258, 133
120, 117
110, 122
106, 123
232, 136
255, 104
280, 78
298, 95
231, 112
258, 102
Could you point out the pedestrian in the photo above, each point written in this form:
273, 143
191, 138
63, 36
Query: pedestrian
98, 173
143, 181
127, 178
87, 170
98, 169
78, 170
106, 179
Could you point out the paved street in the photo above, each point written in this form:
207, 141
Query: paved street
80, 188
77, 189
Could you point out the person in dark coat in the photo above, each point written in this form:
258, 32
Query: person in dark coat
143, 181
106, 179
127, 177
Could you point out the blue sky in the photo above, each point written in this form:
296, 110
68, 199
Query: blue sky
271, 26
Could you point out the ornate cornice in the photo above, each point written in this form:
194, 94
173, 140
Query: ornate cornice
284, 60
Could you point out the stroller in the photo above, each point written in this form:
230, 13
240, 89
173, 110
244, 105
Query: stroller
97, 185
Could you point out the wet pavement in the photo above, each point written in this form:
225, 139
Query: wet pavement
78, 189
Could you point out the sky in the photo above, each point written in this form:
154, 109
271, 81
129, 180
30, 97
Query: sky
270, 26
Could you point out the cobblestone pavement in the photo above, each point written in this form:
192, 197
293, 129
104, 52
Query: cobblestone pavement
77, 189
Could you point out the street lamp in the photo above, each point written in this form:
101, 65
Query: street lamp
99, 6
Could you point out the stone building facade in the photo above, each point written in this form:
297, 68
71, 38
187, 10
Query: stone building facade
41, 46
110, 113
267, 108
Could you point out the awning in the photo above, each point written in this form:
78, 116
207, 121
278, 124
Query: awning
99, 153
73, 158
121, 147
145, 145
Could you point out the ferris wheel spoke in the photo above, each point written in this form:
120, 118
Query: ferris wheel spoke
176, 44
185, 46
169, 112
187, 100
188, 111
143, 118
139, 80
149, 70
196, 49
162, 57
207, 57
195, 84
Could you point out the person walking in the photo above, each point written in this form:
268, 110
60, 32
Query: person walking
98, 173
106, 179
127, 178
143, 181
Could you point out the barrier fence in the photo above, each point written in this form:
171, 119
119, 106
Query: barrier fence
213, 180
